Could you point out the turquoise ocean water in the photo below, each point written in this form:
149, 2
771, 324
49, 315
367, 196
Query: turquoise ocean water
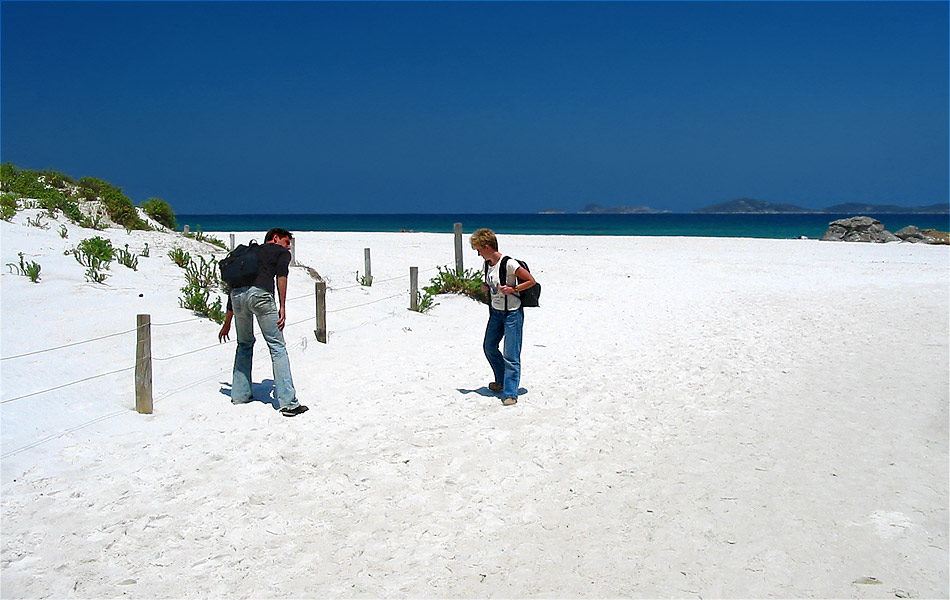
668, 224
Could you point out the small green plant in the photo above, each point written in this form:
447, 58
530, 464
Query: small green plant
126, 258
365, 280
425, 302
201, 237
95, 275
195, 299
27, 269
95, 253
179, 257
203, 272
96, 223
37, 222
145, 251
63, 232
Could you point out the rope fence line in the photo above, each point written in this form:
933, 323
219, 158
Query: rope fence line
70, 344
144, 358
59, 387
336, 310
160, 358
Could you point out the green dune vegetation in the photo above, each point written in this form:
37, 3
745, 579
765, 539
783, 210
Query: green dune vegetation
53, 191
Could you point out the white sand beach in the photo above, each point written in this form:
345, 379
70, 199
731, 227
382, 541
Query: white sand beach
701, 418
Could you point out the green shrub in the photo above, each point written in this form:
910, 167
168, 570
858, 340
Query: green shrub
56, 179
95, 253
24, 183
63, 232
469, 283
27, 269
159, 210
120, 208
7, 173
8, 206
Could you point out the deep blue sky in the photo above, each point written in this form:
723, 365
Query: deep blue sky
402, 107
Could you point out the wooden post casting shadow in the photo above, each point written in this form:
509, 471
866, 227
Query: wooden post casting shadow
321, 295
143, 364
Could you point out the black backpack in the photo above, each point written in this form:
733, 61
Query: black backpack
239, 268
531, 297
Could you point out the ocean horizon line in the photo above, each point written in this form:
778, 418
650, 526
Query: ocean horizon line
747, 225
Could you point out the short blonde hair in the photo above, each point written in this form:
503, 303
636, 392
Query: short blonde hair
484, 237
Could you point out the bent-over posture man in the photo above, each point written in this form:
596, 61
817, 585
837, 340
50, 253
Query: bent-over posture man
244, 303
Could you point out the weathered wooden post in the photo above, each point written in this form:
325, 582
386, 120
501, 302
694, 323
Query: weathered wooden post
458, 248
293, 252
186, 229
367, 268
321, 295
232, 241
143, 364
414, 288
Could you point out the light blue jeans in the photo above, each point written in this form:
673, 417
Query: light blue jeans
248, 302
507, 366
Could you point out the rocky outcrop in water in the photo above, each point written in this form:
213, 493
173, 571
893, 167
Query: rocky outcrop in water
858, 229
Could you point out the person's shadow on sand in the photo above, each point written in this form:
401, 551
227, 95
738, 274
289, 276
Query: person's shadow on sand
264, 392
484, 391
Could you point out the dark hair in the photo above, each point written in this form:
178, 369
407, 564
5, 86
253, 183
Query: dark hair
277, 232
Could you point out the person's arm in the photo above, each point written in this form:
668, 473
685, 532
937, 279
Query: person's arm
282, 296
526, 281
226, 327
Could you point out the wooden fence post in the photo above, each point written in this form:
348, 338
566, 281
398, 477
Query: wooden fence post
232, 241
186, 229
293, 252
367, 268
321, 294
458, 249
143, 364
414, 288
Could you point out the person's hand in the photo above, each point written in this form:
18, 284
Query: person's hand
506, 289
282, 319
225, 330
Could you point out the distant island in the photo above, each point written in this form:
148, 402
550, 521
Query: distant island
597, 209
761, 207
750, 206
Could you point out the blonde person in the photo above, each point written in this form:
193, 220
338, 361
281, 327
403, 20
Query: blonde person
505, 314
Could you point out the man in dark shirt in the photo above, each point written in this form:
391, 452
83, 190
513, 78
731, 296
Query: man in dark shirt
244, 303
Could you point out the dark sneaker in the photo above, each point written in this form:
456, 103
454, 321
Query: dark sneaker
293, 412
495, 387
509, 401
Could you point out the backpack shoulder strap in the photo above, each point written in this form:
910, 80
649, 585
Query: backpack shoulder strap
503, 270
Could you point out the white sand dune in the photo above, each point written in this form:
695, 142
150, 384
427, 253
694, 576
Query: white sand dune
701, 418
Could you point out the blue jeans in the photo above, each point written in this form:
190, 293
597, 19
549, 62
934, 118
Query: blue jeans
248, 302
507, 366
